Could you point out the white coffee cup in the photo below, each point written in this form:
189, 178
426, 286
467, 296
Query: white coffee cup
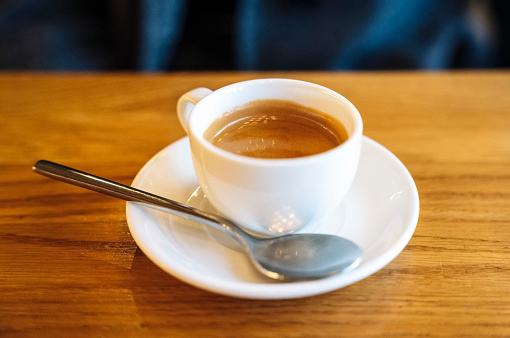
270, 197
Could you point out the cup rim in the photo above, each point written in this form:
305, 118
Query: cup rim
351, 141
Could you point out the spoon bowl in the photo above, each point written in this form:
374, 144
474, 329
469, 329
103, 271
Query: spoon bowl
288, 257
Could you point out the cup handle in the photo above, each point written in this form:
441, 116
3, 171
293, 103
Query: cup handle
186, 104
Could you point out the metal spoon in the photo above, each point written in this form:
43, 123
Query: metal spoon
288, 257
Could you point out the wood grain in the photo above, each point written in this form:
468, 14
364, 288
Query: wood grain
69, 267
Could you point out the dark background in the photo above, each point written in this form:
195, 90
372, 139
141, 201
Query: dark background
173, 35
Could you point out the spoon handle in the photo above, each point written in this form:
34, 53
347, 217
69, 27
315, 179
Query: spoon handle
124, 192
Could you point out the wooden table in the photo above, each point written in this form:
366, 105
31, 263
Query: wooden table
69, 266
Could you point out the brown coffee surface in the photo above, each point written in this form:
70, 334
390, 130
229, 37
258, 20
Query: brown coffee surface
275, 129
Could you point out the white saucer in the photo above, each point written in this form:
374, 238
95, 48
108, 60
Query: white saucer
379, 214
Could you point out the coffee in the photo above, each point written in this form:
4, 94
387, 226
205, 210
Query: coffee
273, 128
